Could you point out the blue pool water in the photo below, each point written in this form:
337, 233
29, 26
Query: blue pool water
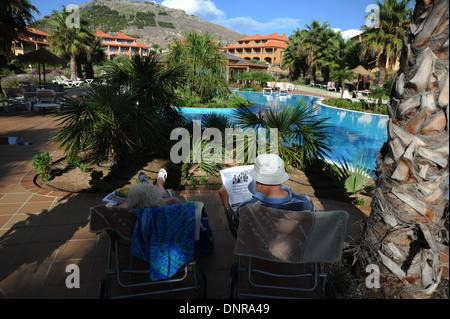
353, 134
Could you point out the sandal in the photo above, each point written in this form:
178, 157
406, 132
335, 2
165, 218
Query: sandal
162, 174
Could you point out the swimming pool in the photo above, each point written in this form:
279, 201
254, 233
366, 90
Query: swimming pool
353, 133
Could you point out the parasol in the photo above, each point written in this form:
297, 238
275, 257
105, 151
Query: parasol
43, 56
361, 72
277, 70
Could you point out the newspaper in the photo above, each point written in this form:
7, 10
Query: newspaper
236, 180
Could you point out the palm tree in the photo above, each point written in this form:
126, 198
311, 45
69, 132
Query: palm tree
107, 124
301, 135
15, 15
386, 41
66, 40
94, 54
293, 59
204, 64
342, 75
405, 230
311, 43
341, 53
154, 84
324, 56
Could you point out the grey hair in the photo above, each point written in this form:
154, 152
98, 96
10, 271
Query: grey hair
144, 195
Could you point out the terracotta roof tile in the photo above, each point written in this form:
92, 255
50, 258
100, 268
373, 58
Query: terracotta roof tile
273, 36
120, 36
268, 44
37, 32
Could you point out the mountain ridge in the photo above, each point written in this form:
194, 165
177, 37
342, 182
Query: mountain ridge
151, 23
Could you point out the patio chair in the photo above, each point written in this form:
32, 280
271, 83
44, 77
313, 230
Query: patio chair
45, 99
57, 88
15, 97
284, 88
282, 252
158, 275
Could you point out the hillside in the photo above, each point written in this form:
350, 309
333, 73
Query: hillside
151, 23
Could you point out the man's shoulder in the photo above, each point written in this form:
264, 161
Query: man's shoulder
300, 196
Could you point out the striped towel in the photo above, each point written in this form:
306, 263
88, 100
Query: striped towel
164, 237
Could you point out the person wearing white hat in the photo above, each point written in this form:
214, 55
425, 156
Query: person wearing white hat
268, 176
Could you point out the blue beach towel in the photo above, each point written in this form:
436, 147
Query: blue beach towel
164, 237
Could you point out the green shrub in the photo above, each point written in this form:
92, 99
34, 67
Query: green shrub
194, 181
42, 165
356, 178
166, 25
79, 162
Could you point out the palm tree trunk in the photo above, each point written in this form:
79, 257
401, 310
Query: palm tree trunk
79, 70
89, 70
313, 73
73, 67
405, 229
382, 60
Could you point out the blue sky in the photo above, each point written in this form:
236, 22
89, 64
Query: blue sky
263, 17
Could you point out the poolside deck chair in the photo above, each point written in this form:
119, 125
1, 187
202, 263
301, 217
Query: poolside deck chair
59, 80
282, 252
129, 276
347, 95
269, 88
331, 86
47, 99
88, 81
284, 88
75, 82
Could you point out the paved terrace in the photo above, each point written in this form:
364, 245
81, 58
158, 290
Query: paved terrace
41, 232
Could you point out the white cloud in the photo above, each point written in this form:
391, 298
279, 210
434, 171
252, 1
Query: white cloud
205, 9
253, 26
347, 34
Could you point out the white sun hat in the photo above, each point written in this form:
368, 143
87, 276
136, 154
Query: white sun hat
269, 170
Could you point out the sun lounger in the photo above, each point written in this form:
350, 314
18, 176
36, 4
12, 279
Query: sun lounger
331, 86
88, 81
284, 88
269, 87
61, 81
347, 95
76, 82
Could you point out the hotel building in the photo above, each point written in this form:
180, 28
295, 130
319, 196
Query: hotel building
33, 40
269, 48
121, 44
